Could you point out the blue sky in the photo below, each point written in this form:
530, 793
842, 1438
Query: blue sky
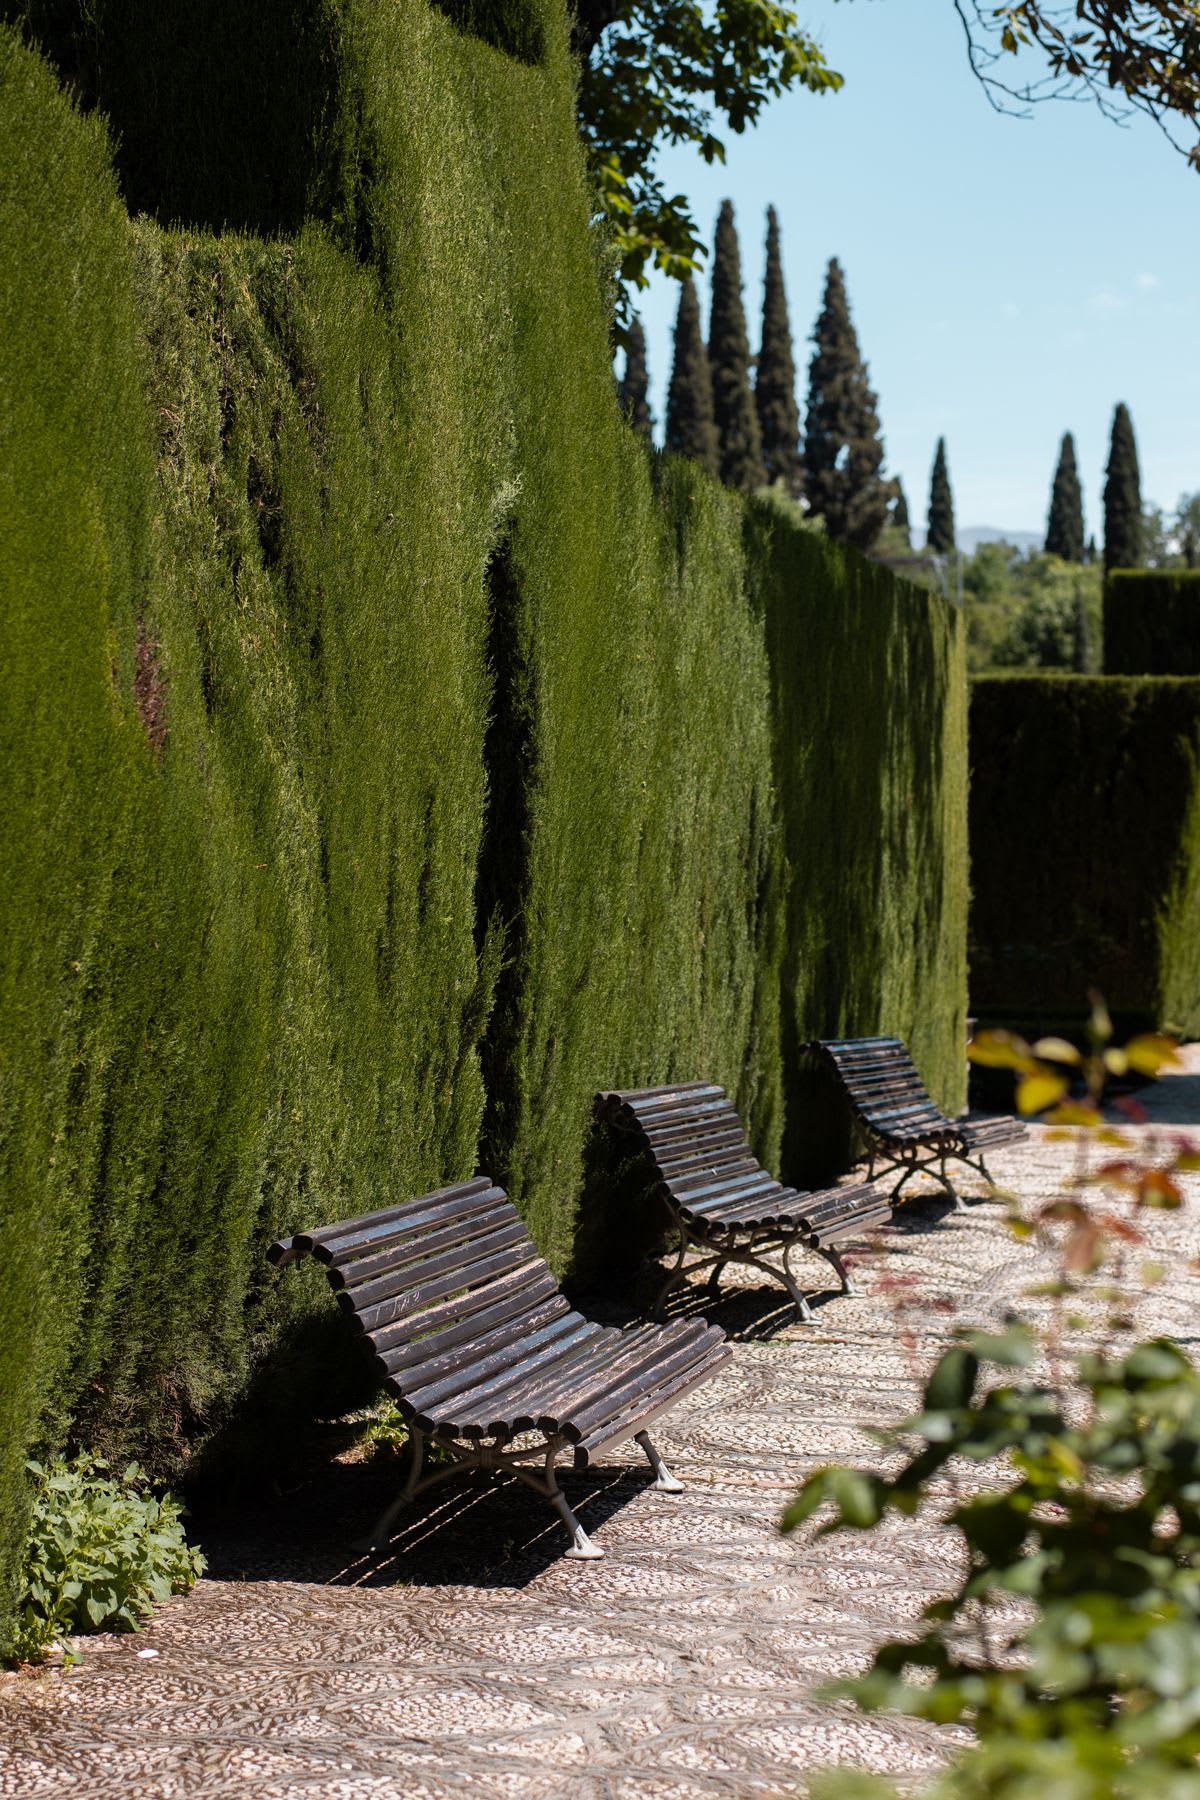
1010, 280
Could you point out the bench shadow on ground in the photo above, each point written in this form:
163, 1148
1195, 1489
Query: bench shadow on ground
476, 1530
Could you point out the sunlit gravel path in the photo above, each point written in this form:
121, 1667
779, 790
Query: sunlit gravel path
475, 1660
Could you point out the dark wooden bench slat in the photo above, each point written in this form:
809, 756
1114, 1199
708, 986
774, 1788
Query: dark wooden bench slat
721, 1147
638, 1416
390, 1312
674, 1126
628, 1095
621, 1386
607, 1361
469, 1413
350, 1246
639, 1358
461, 1360
701, 1182
416, 1271
309, 1240
404, 1349
676, 1105
670, 1143
409, 1248
728, 1198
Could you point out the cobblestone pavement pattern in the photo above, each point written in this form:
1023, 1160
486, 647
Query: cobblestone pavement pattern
475, 1659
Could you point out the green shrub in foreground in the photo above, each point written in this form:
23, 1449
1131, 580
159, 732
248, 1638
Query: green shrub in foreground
1100, 1696
101, 1554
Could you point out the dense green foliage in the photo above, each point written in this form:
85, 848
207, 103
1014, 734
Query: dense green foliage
729, 359
1032, 611
775, 380
388, 739
1085, 848
635, 382
658, 72
1064, 526
843, 449
940, 536
874, 816
1122, 496
691, 427
100, 1555
1152, 622
1096, 1532
76, 896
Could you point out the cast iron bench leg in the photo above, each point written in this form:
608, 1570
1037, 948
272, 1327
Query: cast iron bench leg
849, 1286
664, 1482
581, 1548
380, 1533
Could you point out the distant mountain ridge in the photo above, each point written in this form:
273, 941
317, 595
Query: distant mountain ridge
970, 538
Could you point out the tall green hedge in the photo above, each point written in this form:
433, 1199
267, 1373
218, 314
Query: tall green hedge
1085, 848
397, 752
869, 715
1152, 622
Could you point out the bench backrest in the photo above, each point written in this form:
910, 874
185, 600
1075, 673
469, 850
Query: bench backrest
689, 1128
429, 1280
882, 1084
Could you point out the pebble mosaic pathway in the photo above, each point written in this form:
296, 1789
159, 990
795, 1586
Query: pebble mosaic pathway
474, 1660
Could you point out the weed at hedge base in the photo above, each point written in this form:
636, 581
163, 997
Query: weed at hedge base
101, 1554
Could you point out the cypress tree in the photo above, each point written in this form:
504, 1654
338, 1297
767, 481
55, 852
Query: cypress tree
690, 427
634, 390
775, 384
1122, 497
729, 356
1064, 528
939, 532
843, 449
900, 519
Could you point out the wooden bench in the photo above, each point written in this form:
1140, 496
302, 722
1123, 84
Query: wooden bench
484, 1356
724, 1204
900, 1122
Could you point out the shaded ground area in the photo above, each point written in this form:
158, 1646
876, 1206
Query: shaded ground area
474, 1658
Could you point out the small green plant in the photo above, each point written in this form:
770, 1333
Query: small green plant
101, 1554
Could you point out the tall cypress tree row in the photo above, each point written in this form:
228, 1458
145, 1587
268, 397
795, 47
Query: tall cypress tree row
691, 429
729, 356
1064, 528
939, 531
1122, 497
775, 384
634, 391
843, 449
900, 519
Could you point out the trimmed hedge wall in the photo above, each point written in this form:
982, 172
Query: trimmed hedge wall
870, 720
1085, 848
398, 753
1152, 622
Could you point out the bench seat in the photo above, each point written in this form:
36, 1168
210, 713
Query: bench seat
903, 1128
724, 1203
468, 1331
